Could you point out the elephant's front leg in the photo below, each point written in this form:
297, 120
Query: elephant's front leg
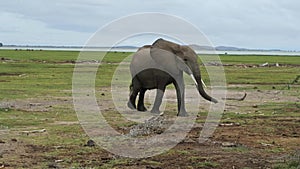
158, 100
180, 91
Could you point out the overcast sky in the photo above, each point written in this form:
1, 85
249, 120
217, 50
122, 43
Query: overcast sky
267, 24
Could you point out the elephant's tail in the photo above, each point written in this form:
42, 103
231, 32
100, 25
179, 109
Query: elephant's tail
130, 88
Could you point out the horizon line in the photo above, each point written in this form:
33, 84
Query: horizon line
229, 48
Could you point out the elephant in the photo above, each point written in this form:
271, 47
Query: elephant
158, 65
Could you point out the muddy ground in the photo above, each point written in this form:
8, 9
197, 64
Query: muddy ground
263, 131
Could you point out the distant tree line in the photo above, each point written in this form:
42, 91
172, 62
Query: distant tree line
1, 44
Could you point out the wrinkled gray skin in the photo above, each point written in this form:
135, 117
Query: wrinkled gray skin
158, 65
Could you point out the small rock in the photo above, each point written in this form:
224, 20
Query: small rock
229, 124
153, 167
35, 104
14, 140
255, 106
59, 161
266, 144
228, 144
189, 140
58, 147
90, 143
264, 64
53, 165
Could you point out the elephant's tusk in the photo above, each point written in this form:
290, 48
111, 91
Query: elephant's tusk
193, 77
203, 83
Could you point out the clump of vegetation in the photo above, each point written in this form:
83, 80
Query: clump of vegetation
292, 162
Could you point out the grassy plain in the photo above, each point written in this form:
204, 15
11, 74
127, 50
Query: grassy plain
36, 93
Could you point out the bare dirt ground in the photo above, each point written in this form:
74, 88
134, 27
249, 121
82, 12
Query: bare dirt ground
259, 132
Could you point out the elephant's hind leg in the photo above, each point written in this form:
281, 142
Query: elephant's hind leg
131, 102
134, 90
141, 105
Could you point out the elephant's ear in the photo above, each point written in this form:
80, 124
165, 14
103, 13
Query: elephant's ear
164, 60
168, 55
168, 61
182, 66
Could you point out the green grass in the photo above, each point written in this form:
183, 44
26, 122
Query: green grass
39, 56
207, 164
254, 74
30, 77
37, 72
259, 59
293, 164
261, 75
20, 119
34, 79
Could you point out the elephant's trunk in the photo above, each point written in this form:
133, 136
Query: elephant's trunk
200, 88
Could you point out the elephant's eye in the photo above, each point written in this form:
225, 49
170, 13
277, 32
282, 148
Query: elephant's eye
185, 60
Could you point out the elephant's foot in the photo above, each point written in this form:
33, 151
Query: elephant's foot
130, 105
155, 111
141, 108
182, 114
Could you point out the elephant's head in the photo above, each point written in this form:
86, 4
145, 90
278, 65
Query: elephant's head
177, 58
